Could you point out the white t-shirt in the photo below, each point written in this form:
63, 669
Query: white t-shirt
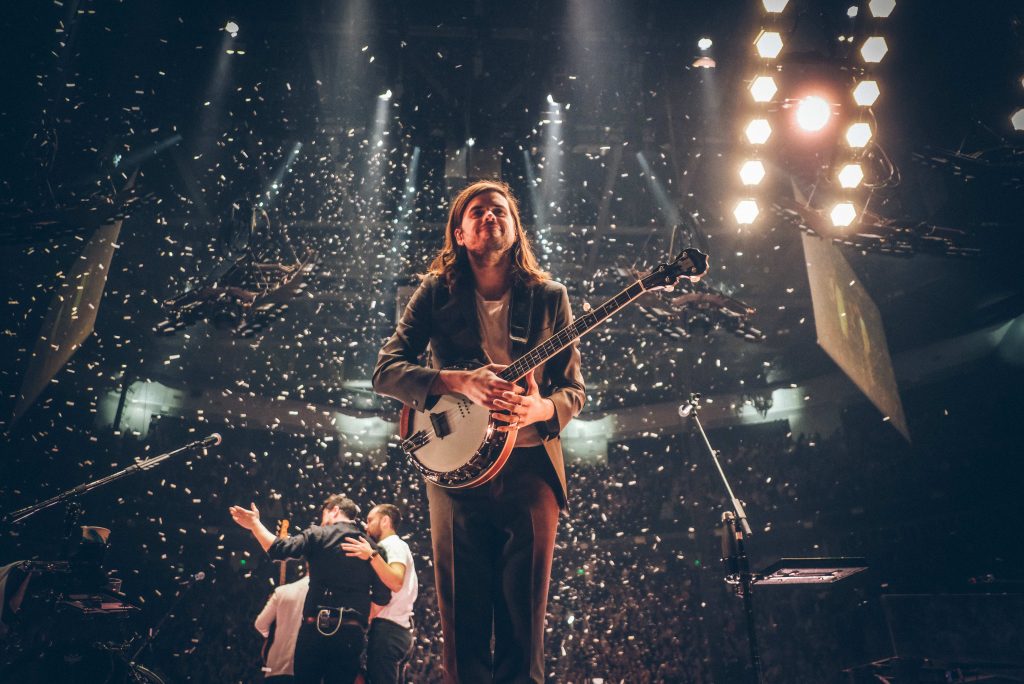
399, 610
493, 317
285, 608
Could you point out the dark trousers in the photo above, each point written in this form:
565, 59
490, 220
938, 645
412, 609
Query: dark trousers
388, 645
332, 659
492, 563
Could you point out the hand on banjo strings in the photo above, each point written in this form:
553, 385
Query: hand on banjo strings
519, 409
483, 386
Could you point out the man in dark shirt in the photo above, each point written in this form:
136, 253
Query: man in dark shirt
341, 589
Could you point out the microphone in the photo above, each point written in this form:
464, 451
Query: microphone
689, 406
212, 440
192, 579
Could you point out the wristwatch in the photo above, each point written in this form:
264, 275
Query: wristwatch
376, 552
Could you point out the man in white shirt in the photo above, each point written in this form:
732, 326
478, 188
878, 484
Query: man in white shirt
284, 607
389, 641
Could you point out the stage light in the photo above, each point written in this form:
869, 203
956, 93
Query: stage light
866, 93
232, 28
769, 44
763, 89
758, 131
852, 11
704, 62
386, 95
775, 6
1018, 120
881, 8
470, 142
746, 211
704, 43
813, 113
850, 176
858, 134
874, 49
843, 214
752, 172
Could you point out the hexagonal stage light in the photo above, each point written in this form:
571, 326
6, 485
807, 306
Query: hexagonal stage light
774, 6
874, 49
843, 214
769, 44
752, 172
866, 93
850, 176
1018, 120
858, 134
763, 89
746, 211
758, 131
881, 8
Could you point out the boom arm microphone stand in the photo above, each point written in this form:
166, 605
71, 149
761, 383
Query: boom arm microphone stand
734, 533
140, 465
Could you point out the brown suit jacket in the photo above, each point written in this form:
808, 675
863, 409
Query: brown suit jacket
445, 324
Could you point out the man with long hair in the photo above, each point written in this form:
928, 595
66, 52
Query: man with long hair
485, 299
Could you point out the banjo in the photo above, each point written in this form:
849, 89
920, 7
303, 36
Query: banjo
455, 445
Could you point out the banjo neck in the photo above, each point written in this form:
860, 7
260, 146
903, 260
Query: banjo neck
567, 335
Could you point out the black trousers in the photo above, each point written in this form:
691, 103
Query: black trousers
388, 645
332, 659
492, 562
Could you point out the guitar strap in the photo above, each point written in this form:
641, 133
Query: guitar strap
520, 317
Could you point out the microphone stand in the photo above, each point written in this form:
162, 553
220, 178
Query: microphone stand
139, 465
735, 530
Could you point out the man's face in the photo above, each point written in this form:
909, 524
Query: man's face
487, 226
373, 524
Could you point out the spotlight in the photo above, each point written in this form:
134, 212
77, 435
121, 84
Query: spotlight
704, 43
386, 95
746, 211
1018, 120
769, 44
758, 131
858, 134
843, 214
752, 172
704, 62
881, 8
470, 142
850, 176
874, 49
774, 6
551, 100
232, 28
852, 11
866, 93
763, 89
813, 113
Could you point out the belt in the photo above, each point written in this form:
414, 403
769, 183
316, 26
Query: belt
329, 619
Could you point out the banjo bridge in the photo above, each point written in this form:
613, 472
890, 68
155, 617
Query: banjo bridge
440, 422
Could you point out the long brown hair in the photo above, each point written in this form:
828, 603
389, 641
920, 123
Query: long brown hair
452, 263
